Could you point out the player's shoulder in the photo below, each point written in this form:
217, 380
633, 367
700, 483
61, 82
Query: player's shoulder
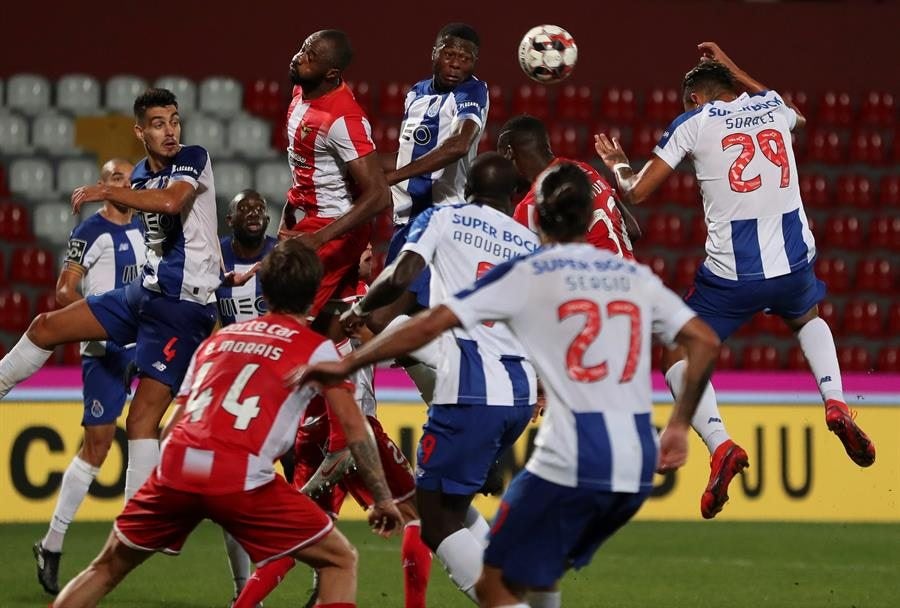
141, 171
91, 228
422, 87
191, 155
470, 93
691, 116
269, 244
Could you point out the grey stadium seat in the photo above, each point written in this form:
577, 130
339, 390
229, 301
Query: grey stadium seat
28, 93
54, 133
121, 92
78, 94
184, 89
221, 96
231, 177
273, 178
75, 172
206, 131
13, 132
250, 136
53, 222
31, 177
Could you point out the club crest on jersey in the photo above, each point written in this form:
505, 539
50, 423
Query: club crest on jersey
434, 108
304, 129
96, 408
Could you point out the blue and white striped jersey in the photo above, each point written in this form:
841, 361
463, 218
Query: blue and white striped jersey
741, 150
585, 318
182, 250
110, 255
429, 118
237, 304
482, 364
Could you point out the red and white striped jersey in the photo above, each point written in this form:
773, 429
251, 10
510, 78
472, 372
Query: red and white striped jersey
239, 414
325, 134
607, 229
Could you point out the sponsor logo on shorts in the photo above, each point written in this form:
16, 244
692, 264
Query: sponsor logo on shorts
420, 472
96, 408
824, 379
159, 366
714, 419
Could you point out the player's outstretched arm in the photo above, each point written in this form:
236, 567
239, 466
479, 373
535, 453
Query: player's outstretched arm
447, 152
168, 200
384, 516
390, 285
634, 188
67, 284
702, 347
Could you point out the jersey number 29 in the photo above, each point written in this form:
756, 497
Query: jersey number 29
771, 144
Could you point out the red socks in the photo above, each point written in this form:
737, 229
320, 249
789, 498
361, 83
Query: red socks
416, 559
336, 438
263, 581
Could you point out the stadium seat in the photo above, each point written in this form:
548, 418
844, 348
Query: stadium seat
274, 210
835, 109
863, 318
681, 187
232, 176
28, 93
622, 134
221, 96
13, 133
685, 269
878, 110
726, 358
15, 224
33, 265
664, 230
659, 265
3, 277
814, 190
53, 222
31, 177
645, 139
854, 359
760, 357
618, 106
499, 110
45, 302
15, 311
53, 133
392, 98
250, 136
835, 273
876, 275
272, 180
184, 89
800, 100
264, 98
362, 91
844, 232
488, 140
830, 314
853, 190
889, 190
531, 99
824, 146
121, 92
574, 104
867, 148
697, 231
796, 360
72, 173
207, 131
884, 232
656, 353
71, 354
889, 359
4, 184
386, 138
78, 94
893, 324
564, 141
279, 136
772, 325
662, 106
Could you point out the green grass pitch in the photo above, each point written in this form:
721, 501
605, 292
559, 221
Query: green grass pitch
647, 564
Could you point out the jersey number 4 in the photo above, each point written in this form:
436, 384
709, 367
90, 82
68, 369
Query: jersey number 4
243, 411
593, 323
771, 144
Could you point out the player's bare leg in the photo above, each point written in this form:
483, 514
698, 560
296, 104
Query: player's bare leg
150, 401
107, 570
727, 458
493, 591
336, 561
74, 323
444, 532
817, 344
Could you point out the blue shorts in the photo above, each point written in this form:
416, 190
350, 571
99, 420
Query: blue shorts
421, 285
166, 331
107, 382
461, 442
726, 305
541, 529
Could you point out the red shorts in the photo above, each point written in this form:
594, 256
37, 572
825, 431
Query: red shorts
271, 521
310, 450
340, 260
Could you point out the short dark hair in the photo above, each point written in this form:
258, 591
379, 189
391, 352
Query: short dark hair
340, 53
290, 276
153, 98
245, 194
492, 176
459, 30
708, 76
522, 130
564, 201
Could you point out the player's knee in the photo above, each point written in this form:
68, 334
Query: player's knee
434, 530
94, 450
40, 332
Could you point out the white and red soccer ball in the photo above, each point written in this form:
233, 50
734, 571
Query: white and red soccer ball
547, 54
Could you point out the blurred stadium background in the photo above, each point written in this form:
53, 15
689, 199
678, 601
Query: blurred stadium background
67, 82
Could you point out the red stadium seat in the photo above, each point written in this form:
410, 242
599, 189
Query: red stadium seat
685, 269
488, 141
681, 188
15, 311
15, 225
564, 141
575, 104
726, 358
760, 357
698, 231
45, 302
854, 190
889, 359
33, 265
867, 148
266, 99
645, 139
854, 359
71, 354
499, 110
656, 353
829, 313
863, 318
876, 274
814, 190
610, 130
665, 230
893, 328
796, 360
844, 232
279, 135
889, 190
4, 186
835, 273
878, 110
884, 232
770, 324
662, 106
391, 98
387, 139
3, 278
660, 267
824, 146
362, 91
618, 105
835, 109
531, 99
801, 101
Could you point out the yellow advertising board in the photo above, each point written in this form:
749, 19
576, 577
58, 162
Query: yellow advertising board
798, 470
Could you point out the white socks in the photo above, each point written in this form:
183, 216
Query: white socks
477, 525
707, 420
20, 363
544, 599
143, 456
239, 562
461, 554
818, 346
75, 483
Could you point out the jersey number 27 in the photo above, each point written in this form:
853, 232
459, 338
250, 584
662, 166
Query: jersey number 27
575, 355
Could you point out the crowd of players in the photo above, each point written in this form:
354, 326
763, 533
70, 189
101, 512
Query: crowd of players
544, 295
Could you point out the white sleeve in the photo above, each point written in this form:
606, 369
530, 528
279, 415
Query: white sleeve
679, 139
490, 298
785, 110
425, 234
670, 313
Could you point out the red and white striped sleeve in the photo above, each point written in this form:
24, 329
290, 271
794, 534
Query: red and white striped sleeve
350, 137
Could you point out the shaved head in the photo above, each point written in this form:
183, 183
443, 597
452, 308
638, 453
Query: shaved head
491, 177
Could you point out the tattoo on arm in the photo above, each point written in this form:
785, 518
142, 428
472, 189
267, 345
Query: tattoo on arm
369, 465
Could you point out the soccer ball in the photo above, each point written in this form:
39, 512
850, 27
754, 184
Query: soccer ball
547, 54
